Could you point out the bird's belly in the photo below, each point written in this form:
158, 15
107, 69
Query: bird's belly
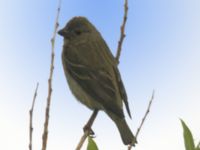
80, 94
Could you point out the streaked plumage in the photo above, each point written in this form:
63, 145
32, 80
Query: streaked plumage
92, 73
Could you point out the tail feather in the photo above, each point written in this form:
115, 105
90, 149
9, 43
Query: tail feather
124, 130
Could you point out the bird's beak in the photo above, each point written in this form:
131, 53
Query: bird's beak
65, 33
61, 32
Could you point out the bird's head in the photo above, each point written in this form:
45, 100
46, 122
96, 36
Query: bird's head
77, 27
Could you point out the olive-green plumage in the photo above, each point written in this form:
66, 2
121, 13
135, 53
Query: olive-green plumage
92, 73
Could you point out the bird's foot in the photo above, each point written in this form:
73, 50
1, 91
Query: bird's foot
87, 128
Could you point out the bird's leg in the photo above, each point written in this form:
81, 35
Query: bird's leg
87, 127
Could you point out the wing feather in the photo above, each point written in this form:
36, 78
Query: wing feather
100, 78
97, 84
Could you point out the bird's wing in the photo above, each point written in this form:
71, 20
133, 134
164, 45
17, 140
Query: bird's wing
97, 83
107, 54
122, 90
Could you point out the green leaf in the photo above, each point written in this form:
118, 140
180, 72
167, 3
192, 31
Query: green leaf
188, 139
91, 144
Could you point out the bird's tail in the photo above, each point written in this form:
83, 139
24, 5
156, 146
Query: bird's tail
124, 130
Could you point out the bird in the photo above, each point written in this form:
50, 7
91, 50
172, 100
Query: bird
92, 73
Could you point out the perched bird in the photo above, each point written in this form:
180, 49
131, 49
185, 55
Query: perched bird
92, 73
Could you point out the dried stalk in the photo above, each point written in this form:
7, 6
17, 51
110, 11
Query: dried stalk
122, 36
82, 140
122, 31
45, 132
143, 119
31, 118
88, 130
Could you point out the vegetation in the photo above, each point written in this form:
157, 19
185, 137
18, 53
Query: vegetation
188, 138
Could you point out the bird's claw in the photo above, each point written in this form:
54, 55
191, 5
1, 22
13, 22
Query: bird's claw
91, 132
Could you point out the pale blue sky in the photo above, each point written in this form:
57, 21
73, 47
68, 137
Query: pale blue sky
161, 51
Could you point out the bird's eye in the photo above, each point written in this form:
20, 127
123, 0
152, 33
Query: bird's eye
78, 32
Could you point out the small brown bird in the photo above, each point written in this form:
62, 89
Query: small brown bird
92, 73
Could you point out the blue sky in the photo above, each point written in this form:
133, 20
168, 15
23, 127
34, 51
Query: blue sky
161, 51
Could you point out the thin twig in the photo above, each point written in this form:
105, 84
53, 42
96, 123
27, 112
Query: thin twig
88, 130
122, 31
143, 119
82, 140
45, 132
31, 118
145, 116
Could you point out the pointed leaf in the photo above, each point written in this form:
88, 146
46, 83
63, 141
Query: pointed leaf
188, 139
91, 144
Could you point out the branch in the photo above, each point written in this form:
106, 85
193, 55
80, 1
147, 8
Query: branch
82, 140
122, 30
45, 132
31, 118
143, 119
87, 129
145, 116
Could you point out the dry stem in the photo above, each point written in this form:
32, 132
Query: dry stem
122, 30
31, 118
143, 119
45, 132
87, 132
122, 36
